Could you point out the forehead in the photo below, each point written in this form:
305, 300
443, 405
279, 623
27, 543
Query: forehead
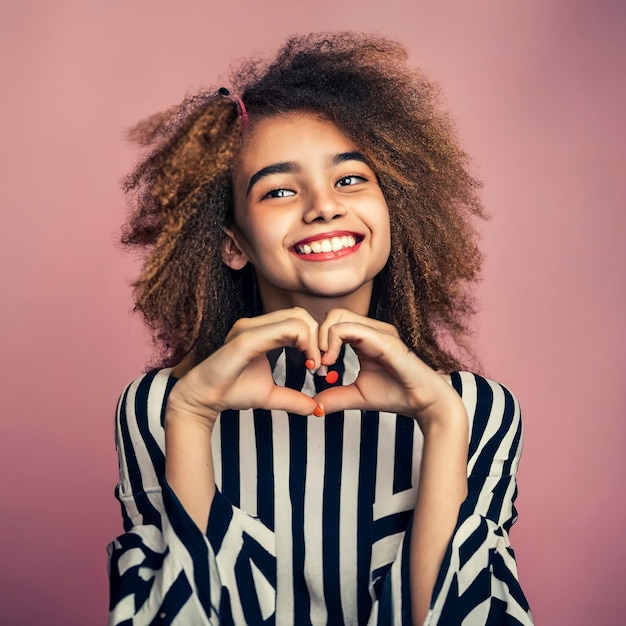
296, 136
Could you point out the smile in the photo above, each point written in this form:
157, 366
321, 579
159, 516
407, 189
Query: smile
329, 244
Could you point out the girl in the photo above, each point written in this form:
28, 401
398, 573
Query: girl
302, 456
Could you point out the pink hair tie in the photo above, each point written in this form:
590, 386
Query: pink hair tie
240, 105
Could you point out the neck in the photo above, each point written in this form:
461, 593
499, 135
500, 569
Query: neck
318, 306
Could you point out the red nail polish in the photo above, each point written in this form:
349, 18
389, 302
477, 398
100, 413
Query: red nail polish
332, 377
309, 364
318, 411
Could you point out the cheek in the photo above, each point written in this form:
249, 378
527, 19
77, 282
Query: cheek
244, 237
385, 223
258, 237
385, 229
269, 225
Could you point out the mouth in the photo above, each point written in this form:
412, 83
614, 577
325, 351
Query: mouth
329, 243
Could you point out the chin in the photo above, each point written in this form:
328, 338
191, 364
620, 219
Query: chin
338, 291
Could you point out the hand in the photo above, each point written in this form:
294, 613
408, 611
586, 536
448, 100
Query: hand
238, 375
391, 377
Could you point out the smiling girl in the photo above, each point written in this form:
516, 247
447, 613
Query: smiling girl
309, 450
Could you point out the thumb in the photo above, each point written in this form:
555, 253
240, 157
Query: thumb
285, 399
340, 399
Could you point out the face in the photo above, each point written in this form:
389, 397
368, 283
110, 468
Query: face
309, 215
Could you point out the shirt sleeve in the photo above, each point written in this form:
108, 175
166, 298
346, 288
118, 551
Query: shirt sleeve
478, 580
163, 569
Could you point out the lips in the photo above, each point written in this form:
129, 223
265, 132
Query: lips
327, 243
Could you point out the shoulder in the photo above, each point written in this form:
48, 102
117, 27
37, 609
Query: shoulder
495, 422
147, 388
139, 432
141, 407
483, 395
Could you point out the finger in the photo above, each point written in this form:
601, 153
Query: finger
310, 347
421, 384
338, 316
290, 332
375, 348
285, 399
333, 316
244, 324
225, 365
381, 395
366, 340
341, 399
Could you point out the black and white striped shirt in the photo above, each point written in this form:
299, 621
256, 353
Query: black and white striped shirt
310, 521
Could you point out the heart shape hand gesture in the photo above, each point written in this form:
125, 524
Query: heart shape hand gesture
238, 376
391, 378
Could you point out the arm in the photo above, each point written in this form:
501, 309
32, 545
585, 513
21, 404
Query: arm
479, 573
455, 562
442, 488
164, 568
183, 546
392, 378
189, 461
237, 376
477, 582
151, 569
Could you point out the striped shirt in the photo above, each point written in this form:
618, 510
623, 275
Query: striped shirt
311, 520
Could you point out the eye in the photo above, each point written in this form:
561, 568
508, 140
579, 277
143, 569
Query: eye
348, 181
279, 192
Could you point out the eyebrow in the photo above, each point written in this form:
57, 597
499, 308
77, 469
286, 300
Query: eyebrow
342, 157
291, 167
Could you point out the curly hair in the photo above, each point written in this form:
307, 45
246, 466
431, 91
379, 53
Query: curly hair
182, 195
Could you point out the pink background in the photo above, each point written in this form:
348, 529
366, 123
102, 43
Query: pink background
537, 87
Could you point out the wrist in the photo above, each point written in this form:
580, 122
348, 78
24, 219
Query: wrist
443, 418
179, 410
183, 419
448, 435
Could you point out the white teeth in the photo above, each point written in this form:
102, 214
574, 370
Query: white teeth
327, 245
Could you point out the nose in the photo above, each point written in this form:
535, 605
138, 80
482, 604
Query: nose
323, 205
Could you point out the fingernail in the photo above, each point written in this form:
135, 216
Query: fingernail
318, 411
332, 377
309, 364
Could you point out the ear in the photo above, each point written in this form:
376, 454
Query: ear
232, 255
